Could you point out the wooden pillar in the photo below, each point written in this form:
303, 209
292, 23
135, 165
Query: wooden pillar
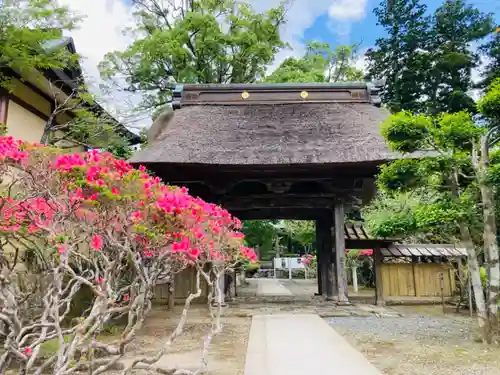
325, 247
330, 282
319, 259
379, 286
4, 106
339, 222
324, 258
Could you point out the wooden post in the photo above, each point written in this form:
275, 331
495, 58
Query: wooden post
377, 264
4, 105
235, 281
331, 282
319, 259
339, 222
441, 287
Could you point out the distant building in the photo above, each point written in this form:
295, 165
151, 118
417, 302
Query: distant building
27, 107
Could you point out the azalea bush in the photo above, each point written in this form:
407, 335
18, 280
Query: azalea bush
310, 264
73, 222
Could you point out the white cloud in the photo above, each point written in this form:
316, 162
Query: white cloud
100, 32
301, 15
343, 13
348, 10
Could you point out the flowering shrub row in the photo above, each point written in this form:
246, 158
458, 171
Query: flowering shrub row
113, 203
91, 220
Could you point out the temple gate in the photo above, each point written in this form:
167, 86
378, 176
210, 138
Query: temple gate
280, 151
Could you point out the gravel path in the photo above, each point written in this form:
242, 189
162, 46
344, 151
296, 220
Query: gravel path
420, 344
409, 328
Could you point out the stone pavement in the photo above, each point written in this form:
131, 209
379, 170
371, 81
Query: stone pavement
288, 344
272, 287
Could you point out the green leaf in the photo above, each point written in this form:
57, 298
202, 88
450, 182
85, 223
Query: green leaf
406, 132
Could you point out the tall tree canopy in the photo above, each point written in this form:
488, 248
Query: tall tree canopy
450, 192
491, 53
426, 60
320, 63
398, 58
29, 29
205, 41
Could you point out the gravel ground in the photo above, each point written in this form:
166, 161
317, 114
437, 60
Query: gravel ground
226, 355
420, 344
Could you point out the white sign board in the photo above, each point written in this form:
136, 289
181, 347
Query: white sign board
288, 263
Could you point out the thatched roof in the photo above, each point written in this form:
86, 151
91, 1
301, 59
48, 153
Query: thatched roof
271, 124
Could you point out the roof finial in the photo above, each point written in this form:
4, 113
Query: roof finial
177, 97
375, 88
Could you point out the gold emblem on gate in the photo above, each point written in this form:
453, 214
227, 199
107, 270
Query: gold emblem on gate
245, 95
304, 94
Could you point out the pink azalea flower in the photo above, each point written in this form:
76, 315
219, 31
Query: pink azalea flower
97, 242
61, 248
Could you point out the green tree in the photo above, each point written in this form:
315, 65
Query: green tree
28, 31
31, 37
205, 41
319, 64
90, 126
455, 187
302, 231
261, 235
399, 58
426, 61
491, 52
455, 25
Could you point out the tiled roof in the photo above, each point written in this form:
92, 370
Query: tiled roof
424, 250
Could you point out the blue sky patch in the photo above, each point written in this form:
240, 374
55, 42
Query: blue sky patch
365, 31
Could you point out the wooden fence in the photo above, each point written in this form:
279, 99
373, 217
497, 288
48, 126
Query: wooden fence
417, 280
184, 285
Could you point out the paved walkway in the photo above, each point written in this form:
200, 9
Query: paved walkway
289, 344
271, 287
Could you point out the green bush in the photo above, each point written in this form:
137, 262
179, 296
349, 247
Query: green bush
251, 269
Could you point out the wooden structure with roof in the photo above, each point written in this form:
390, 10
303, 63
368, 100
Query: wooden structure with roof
282, 151
34, 95
418, 271
407, 270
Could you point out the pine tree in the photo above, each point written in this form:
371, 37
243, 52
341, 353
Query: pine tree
400, 59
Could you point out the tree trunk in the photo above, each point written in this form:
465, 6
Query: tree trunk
477, 286
489, 236
47, 129
473, 266
491, 248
